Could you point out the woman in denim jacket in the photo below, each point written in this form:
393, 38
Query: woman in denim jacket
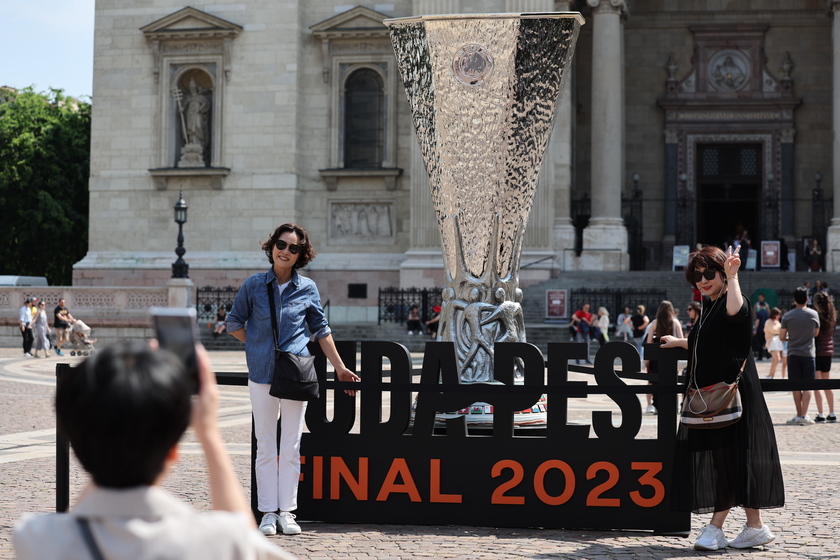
299, 309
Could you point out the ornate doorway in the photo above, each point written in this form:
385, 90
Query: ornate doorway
729, 133
729, 193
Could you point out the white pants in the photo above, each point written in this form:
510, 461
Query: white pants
278, 471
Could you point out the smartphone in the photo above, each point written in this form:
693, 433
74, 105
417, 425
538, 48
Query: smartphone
177, 331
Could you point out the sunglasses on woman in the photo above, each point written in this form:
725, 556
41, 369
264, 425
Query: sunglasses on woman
708, 274
293, 249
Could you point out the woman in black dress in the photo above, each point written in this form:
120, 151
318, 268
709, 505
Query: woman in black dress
738, 465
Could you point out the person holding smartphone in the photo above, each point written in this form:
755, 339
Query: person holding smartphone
249, 320
125, 410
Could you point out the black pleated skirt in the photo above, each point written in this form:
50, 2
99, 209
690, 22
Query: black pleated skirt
717, 469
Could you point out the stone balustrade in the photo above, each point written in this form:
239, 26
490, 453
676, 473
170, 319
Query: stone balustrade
112, 312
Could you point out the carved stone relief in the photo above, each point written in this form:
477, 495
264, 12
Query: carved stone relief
361, 222
729, 70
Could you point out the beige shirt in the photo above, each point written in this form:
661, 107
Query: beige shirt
142, 523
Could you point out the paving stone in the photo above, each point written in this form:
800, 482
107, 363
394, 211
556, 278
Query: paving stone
805, 527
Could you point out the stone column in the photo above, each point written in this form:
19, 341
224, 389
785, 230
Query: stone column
538, 242
423, 264
180, 292
672, 172
833, 260
788, 187
559, 158
605, 238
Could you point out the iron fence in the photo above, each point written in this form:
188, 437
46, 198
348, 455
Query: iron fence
615, 300
395, 303
208, 300
631, 213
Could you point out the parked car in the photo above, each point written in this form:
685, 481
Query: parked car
23, 281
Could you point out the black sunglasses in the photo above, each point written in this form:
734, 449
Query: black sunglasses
293, 249
708, 274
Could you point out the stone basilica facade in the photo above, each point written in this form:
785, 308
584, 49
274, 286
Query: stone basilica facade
680, 123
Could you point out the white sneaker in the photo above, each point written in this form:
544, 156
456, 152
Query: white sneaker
711, 538
794, 420
286, 521
650, 409
750, 537
804, 421
268, 525
28, 354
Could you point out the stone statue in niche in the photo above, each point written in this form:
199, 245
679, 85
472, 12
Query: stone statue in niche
194, 110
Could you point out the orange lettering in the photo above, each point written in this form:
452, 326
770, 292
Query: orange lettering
339, 471
594, 498
434, 487
539, 482
498, 496
648, 479
399, 468
317, 477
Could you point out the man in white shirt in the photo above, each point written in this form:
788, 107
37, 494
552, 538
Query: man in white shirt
124, 411
25, 319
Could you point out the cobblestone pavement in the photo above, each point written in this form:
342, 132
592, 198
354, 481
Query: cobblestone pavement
806, 527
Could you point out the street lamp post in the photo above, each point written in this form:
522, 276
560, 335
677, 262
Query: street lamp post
180, 269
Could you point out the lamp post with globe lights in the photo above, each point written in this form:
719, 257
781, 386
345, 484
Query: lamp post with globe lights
180, 269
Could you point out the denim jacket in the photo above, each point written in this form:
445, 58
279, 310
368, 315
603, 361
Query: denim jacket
298, 308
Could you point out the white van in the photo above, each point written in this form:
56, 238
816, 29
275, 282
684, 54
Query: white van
23, 281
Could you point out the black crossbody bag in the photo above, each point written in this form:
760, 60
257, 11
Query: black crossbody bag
294, 376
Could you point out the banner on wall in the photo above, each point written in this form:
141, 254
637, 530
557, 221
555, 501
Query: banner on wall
555, 304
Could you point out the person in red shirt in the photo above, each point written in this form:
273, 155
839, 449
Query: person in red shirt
582, 321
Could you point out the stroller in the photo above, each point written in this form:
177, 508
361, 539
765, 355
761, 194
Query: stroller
80, 339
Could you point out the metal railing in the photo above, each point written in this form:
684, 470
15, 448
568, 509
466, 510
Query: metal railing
208, 300
615, 300
395, 303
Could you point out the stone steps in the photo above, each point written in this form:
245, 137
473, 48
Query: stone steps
677, 289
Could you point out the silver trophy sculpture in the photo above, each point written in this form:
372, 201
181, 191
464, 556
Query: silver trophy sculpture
483, 91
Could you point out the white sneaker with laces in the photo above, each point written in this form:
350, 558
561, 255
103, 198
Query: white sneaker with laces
804, 421
286, 521
750, 537
794, 420
711, 538
268, 525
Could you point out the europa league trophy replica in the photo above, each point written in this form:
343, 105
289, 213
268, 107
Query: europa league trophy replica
483, 91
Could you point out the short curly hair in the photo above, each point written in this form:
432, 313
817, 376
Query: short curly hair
707, 257
307, 252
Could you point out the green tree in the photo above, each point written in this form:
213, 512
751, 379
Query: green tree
44, 170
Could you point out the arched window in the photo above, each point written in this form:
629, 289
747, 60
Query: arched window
364, 120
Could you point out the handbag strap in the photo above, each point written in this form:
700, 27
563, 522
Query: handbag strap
87, 534
273, 314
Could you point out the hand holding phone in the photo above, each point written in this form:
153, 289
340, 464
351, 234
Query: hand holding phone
177, 331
